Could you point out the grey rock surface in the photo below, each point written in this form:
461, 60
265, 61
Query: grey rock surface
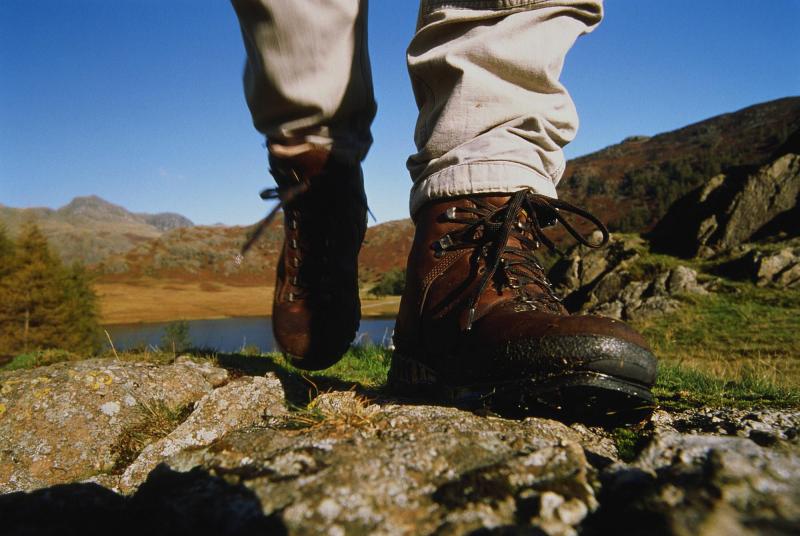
608, 282
61, 423
726, 472
241, 463
730, 209
409, 470
241, 403
775, 264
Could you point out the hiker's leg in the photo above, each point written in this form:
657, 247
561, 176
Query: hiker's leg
309, 89
308, 75
479, 322
493, 115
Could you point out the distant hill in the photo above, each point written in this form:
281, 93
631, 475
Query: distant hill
629, 185
212, 253
89, 229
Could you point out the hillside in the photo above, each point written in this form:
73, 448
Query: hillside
629, 185
89, 229
212, 253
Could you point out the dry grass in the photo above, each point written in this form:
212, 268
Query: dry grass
154, 300
156, 420
164, 300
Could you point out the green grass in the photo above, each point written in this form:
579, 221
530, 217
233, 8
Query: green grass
629, 441
739, 333
39, 358
680, 387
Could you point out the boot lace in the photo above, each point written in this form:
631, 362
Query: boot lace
293, 188
488, 228
290, 189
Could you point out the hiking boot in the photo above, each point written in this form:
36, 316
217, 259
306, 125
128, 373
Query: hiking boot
316, 308
480, 324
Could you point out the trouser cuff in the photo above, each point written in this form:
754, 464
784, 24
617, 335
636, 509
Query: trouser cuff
478, 178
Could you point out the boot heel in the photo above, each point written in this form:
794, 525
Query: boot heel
409, 377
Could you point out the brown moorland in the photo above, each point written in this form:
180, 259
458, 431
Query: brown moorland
164, 300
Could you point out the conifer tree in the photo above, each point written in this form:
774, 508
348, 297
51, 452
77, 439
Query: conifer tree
79, 312
42, 304
34, 297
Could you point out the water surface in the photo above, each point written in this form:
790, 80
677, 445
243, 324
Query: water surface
233, 334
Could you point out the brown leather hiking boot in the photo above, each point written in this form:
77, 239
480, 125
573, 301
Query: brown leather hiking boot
480, 323
316, 309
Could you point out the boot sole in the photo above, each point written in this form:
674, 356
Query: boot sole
581, 395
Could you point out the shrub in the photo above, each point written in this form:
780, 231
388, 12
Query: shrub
391, 283
176, 336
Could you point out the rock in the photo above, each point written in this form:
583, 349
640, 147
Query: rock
409, 470
683, 280
64, 422
730, 209
707, 471
241, 403
582, 267
766, 265
607, 282
705, 484
781, 269
241, 463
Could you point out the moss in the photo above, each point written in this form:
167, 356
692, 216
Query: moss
629, 442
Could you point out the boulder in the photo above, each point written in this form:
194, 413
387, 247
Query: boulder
68, 421
610, 281
735, 472
241, 403
730, 209
774, 265
409, 470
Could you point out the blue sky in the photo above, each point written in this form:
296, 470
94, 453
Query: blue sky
140, 101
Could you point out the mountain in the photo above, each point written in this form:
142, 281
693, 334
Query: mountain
213, 253
630, 185
90, 229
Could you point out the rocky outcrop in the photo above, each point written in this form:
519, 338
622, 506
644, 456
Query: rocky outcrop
240, 463
730, 209
241, 403
709, 472
68, 421
615, 282
774, 265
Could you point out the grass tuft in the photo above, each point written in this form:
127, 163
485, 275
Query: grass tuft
629, 442
156, 420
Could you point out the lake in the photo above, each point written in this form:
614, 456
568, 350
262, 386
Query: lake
233, 334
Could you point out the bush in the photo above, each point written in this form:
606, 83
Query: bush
392, 283
176, 336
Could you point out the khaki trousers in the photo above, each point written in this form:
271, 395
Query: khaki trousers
493, 116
